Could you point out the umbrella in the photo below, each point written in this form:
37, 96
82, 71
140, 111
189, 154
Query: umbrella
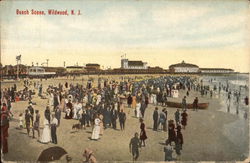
52, 153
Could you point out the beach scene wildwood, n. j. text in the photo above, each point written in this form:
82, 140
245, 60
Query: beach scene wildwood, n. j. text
128, 81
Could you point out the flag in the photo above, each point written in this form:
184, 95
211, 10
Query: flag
18, 57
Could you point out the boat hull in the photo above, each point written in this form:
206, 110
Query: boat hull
189, 106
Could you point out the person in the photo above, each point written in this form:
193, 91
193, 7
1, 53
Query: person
178, 149
89, 156
162, 119
179, 136
134, 102
184, 119
101, 124
46, 135
143, 135
4, 129
129, 100
184, 103
195, 103
53, 126
114, 116
69, 112
27, 121
137, 110
21, 120
47, 113
246, 100
58, 114
122, 119
134, 146
168, 150
177, 116
31, 111
155, 118
171, 132
245, 114
83, 119
36, 124
96, 129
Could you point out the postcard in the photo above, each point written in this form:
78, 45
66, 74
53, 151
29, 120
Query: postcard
125, 81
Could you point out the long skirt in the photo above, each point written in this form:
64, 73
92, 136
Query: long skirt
95, 133
46, 135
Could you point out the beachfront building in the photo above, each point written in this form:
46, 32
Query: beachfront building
71, 69
216, 70
183, 68
92, 67
127, 64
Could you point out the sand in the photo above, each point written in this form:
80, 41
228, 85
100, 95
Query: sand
210, 135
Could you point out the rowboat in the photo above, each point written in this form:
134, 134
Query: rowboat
189, 106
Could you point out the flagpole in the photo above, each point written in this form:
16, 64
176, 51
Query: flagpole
17, 77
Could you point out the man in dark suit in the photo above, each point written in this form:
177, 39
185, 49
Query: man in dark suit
155, 118
58, 114
113, 117
122, 119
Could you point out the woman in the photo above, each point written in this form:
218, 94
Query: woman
101, 124
143, 135
133, 102
46, 135
171, 132
184, 119
137, 110
96, 129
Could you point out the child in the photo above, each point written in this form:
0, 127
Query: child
178, 148
168, 152
21, 120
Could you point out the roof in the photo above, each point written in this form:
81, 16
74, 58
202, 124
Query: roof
183, 64
135, 63
216, 69
92, 64
74, 67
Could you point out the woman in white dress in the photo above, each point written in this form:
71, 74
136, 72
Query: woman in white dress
46, 135
96, 129
138, 111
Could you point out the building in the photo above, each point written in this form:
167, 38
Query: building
10, 70
126, 64
216, 70
183, 68
92, 67
73, 69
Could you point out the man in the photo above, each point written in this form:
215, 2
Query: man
184, 103
27, 120
122, 119
113, 118
58, 114
36, 124
177, 116
4, 129
31, 111
246, 100
134, 146
54, 124
129, 100
162, 119
155, 118
195, 103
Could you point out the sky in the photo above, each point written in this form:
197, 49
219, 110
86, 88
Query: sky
207, 33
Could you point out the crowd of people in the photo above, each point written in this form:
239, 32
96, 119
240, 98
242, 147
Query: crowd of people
101, 107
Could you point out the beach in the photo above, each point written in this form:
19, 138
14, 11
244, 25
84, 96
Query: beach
212, 134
